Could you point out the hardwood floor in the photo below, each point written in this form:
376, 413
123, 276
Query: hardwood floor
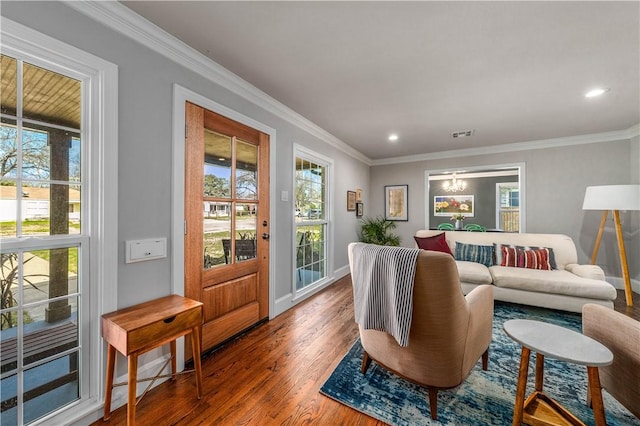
272, 375
620, 305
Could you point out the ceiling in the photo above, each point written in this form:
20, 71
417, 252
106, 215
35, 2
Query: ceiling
508, 71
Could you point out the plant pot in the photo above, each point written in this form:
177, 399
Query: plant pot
458, 224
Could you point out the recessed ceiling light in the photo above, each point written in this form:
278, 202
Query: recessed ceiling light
393, 137
596, 92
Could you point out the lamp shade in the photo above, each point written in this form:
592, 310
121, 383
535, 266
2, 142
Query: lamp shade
612, 197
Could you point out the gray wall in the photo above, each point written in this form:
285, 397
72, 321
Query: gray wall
555, 183
146, 80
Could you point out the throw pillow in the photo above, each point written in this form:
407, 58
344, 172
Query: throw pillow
474, 253
435, 243
520, 258
500, 260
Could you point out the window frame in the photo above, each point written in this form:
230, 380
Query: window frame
306, 154
98, 198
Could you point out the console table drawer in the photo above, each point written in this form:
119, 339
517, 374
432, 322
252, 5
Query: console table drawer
164, 330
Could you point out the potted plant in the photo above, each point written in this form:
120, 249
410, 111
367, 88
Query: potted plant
458, 218
378, 231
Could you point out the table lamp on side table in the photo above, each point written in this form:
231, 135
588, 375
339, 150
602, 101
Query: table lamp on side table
613, 198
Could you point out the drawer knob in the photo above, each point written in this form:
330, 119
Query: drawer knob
170, 319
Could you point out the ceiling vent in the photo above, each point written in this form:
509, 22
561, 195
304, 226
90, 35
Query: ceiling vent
463, 134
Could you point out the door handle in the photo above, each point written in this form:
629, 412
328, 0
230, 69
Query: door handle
265, 236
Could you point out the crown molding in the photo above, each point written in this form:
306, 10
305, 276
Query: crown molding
122, 19
629, 133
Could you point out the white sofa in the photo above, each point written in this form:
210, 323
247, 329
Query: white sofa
566, 288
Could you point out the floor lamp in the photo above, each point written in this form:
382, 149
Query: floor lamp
613, 198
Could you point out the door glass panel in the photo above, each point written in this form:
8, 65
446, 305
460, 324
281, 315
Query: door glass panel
246, 226
217, 165
246, 171
216, 235
61, 107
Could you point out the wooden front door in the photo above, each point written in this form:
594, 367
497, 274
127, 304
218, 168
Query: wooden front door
227, 223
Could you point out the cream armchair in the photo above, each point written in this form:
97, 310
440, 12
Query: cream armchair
449, 332
621, 334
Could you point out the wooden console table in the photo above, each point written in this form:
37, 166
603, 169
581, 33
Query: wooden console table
140, 328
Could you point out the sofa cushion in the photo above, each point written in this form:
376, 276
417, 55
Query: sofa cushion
474, 253
473, 272
499, 250
435, 243
517, 257
555, 282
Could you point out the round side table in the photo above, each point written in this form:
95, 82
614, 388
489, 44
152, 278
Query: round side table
562, 344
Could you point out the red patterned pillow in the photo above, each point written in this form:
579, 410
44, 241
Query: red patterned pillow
435, 243
520, 258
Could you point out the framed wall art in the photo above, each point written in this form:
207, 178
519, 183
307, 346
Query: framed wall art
396, 202
359, 209
351, 201
448, 205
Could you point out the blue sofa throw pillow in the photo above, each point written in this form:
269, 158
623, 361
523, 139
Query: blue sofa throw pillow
474, 253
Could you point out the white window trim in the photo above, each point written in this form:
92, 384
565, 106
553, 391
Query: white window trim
100, 195
306, 153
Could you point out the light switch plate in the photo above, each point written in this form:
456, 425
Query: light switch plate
149, 249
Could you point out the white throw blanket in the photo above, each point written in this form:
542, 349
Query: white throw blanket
383, 288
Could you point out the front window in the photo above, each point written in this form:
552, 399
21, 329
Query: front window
311, 219
41, 231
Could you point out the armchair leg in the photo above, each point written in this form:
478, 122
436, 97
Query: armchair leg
485, 360
433, 403
366, 361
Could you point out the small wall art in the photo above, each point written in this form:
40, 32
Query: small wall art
359, 209
351, 201
396, 202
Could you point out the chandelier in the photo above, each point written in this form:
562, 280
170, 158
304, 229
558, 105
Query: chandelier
454, 185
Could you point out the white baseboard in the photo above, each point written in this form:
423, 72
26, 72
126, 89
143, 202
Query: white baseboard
618, 283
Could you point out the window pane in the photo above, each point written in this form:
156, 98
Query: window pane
310, 243
51, 97
40, 397
8, 85
217, 232
50, 273
50, 209
246, 226
217, 165
9, 396
8, 150
246, 171
36, 155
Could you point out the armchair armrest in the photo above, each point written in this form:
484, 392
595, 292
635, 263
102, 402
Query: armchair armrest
593, 272
479, 333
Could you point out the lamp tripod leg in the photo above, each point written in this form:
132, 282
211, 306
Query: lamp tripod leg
599, 237
623, 259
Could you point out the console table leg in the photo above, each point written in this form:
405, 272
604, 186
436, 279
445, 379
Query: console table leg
195, 349
132, 387
108, 387
595, 390
518, 409
172, 345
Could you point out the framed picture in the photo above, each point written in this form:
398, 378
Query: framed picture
359, 195
351, 201
359, 209
396, 202
448, 205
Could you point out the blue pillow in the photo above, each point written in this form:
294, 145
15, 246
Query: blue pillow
474, 253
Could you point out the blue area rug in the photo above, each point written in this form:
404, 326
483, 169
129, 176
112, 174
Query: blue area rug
485, 397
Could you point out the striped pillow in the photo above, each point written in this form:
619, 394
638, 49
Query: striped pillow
501, 262
520, 258
474, 253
